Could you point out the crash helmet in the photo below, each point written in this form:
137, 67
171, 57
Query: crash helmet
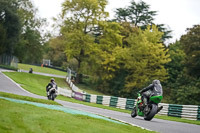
156, 82
52, 80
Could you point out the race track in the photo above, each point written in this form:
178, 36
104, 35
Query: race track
163, 126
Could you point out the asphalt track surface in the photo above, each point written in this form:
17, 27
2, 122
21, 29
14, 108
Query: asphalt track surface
162, 126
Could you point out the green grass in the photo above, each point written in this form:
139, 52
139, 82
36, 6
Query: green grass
41, 69
26, 98
8, 67
170, 118
33, 82
89, 89
36, 84
20, 118
83, 87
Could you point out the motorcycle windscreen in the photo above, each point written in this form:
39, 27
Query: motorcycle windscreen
156, 99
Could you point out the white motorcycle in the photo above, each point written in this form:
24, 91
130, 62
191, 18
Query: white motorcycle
52, 94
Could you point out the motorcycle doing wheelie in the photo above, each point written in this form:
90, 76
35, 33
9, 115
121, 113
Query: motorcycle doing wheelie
147, 111
52, 94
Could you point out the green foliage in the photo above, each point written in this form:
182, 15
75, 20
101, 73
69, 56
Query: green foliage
145, 59
31, 39
139, 15
183, 84
176, 65
55, 51
191, 47
10, 26
187, 90
136, 13
79, 19
20, 30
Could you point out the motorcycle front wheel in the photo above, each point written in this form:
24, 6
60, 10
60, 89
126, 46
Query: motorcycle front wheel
151, 113
134, 112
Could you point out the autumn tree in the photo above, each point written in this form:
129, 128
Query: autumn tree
80, 17
146, 58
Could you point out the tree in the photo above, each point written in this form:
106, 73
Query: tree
136, 13
191, 46
183, 83
30, 46
140, 15
146, 58
10, 26
176, 65
80, 18
174, 68
56, 51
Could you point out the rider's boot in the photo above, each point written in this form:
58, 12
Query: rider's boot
159, 108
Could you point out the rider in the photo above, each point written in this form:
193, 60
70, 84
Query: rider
51, 85
153, 89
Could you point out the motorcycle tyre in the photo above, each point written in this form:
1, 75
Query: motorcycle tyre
49, 97
134, 112
152, 113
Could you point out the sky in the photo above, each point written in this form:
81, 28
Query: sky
177, 15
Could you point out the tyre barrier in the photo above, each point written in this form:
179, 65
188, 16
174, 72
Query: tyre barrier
191, 112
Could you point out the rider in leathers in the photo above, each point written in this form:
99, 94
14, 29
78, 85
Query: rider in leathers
52, 84
153, 89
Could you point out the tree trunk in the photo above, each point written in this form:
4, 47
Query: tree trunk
79, 75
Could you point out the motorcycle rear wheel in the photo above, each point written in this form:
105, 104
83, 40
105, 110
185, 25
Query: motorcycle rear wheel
151, 113
134, 112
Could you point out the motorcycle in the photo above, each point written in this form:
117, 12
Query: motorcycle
148, 111
52, 94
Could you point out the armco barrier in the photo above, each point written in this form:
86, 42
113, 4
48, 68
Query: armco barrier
198, 113
93, 98
78, 96
87, 97
106, 100
175, 110
64, 92
164, 111
121, 103
113, 101
130, 103
99, 99
183, 111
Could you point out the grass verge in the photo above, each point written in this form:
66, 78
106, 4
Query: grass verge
8, 67
29, 118
170, 118
34, 83
89, 89
41, 69
26, 98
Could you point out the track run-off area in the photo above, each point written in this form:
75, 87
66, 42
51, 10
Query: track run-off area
158, 125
